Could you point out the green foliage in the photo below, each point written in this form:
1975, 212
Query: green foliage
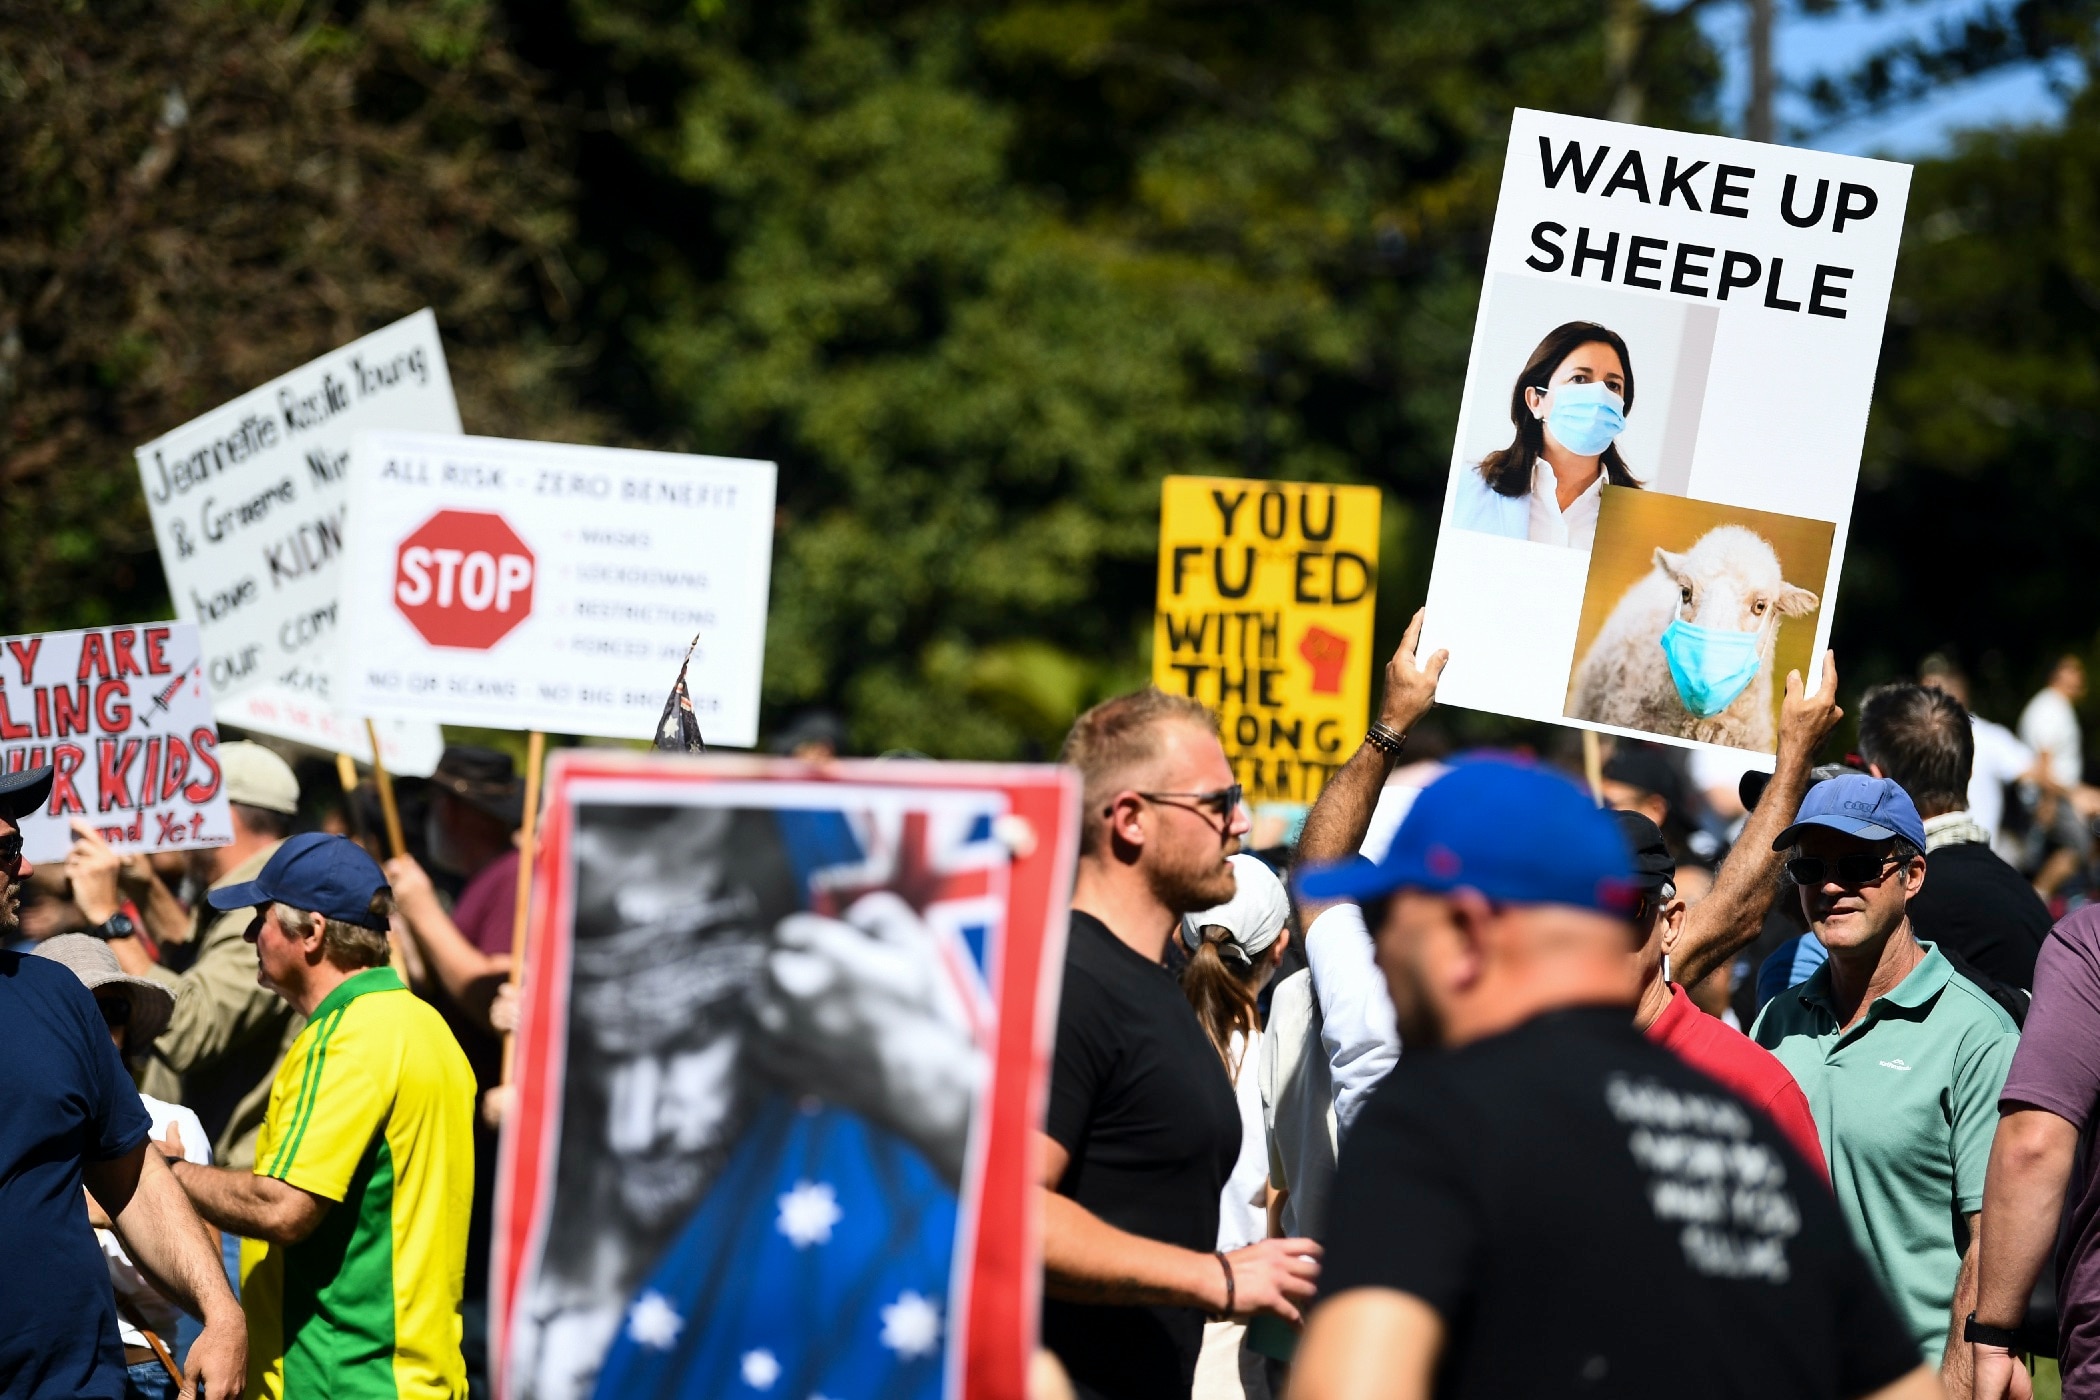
1979, 515
978, 275
202, 194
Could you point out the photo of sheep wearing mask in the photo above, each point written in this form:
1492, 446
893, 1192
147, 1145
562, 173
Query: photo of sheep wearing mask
1688, 645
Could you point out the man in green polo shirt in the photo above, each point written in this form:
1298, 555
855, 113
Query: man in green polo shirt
1901, 1058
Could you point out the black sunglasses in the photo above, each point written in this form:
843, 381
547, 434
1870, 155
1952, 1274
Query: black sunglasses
11, 849
1220, 802
1855, 868
116, 1011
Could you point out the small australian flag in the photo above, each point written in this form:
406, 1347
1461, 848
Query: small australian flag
679, 731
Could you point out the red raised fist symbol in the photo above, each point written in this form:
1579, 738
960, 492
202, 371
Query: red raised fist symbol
1327, 654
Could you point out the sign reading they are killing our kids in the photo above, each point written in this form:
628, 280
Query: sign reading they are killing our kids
1660, 437
123, 717
248, 506
534, 585
1266, 595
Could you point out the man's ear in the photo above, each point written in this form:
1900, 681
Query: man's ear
1126, 818
1673, 923
320, 927
1472, 917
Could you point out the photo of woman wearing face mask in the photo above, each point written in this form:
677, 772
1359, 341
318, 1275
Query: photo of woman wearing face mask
1569, 405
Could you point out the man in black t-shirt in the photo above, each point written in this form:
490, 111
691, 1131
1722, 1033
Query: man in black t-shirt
1973, 904
1143, 1125
1548, 1204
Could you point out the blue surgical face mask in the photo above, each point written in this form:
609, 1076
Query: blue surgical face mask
1711, 665
1586, 417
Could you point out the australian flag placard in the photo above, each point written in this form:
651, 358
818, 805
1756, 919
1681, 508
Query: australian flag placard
778, 1079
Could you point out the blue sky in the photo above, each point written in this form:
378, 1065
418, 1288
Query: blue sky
1806, 46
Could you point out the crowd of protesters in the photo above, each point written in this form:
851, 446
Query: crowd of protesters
1681, 1081
296, 1040
1495, 1079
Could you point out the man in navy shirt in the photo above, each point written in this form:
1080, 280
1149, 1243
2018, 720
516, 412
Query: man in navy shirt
70, 1116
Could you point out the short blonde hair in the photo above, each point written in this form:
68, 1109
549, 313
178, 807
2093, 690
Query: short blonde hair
349, 943
1118, 735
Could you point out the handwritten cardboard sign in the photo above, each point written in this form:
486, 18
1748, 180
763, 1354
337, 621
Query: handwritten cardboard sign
124, 717
248, 505
1266, 596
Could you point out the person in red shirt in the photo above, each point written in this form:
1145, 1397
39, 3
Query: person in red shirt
1667, 1016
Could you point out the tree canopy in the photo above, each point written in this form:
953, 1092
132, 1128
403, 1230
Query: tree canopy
976, 273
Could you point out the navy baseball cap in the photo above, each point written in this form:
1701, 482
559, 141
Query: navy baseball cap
1517, 833
1857, 804
22, 793
330, 875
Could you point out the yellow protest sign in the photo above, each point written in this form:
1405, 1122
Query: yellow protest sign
1266, 594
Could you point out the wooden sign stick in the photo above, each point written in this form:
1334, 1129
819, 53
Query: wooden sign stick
385, 785
535, 760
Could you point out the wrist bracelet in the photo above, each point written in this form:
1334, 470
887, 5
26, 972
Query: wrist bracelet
1230, 1295
1386, 739
1987, 1335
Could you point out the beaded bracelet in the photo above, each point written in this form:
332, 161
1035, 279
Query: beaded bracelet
1385, 739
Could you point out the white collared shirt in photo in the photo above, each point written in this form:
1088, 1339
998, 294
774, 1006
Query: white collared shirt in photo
1573, 528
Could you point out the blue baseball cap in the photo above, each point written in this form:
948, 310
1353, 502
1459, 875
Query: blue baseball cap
330, 875
1516, 832
1856, 804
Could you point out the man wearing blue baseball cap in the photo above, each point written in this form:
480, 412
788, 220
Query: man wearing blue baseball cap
1900, 1055
354, 1218
1546, 1203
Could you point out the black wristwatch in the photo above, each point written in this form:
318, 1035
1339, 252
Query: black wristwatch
1974, 1331
117, 925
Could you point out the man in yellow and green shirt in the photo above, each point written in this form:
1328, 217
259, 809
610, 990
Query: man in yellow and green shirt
355, 1214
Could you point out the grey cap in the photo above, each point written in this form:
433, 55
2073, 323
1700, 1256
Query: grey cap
95, 965
256, 777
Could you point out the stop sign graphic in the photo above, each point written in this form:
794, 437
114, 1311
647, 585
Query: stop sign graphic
463, 578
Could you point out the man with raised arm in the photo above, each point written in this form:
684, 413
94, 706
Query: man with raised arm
1551, 1204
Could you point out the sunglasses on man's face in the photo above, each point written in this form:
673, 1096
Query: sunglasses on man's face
1219, 802
1856, 868
10, 850
116, 1011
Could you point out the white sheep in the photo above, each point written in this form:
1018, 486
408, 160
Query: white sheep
1729, 581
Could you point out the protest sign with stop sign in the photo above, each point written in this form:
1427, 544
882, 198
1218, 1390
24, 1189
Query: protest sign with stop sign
463, 578
534, 585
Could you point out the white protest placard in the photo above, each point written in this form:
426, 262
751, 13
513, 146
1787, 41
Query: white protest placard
248, 501
123, 716
410, 748
1660, 435
532, 585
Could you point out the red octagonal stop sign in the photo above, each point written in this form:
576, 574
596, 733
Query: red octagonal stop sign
463, 578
